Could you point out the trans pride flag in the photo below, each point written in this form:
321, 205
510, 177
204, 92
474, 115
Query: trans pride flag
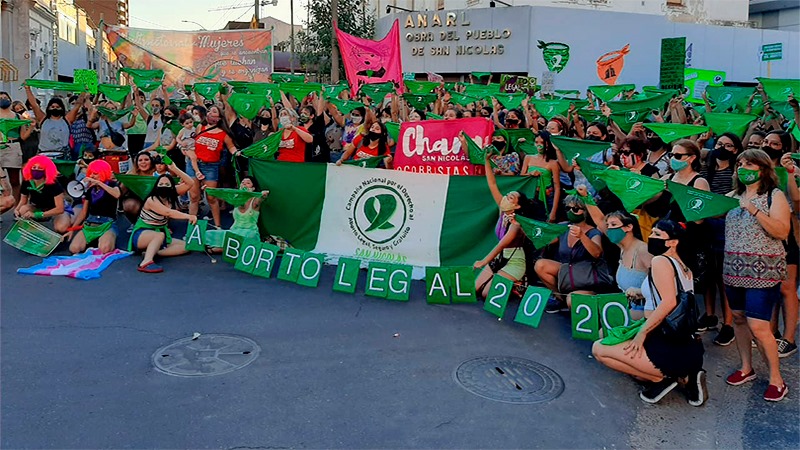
85, 266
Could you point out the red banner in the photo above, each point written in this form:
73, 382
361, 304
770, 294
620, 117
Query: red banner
432, 146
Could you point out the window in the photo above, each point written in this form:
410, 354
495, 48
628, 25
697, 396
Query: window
674, 2
67, 29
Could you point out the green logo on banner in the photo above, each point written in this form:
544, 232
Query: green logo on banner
632, 116
697, 204
634, 185
380, 212
537, 232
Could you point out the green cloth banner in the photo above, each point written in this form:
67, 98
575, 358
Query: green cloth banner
421, 87
541, 234
477, 155
54, 85
144, 74
32, 237
726, 97
626, 120
371, 162
247, 105
264, 149
696, 204
778, 89
207, 90
288, 78
235, 197
552, 108
300, 90
511, 100
114, 114
114, 92
671, 132
140, 185
419, 101
578, 148
345, 106
593, 115
656, 102
729, 122
607, 93
633, 189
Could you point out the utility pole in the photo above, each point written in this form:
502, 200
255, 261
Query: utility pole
291, 38
334, 44
258, 17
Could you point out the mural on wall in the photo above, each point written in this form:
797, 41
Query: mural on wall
555, 55
610, 65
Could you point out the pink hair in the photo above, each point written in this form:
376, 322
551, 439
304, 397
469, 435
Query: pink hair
50, 169
101, 168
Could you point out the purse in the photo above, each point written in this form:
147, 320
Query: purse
591, 276
682, 320
500, 261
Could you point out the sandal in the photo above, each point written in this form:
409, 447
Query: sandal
150, 267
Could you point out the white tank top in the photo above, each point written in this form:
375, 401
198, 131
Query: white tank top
651, 297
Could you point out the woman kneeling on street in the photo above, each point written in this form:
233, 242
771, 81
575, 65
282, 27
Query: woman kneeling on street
96, 220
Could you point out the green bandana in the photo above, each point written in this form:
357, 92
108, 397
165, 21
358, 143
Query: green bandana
114, 92
476, 154
419, 101
607, 93
591, 170
114, 114
623, 333
377, 91
593, 115
333, 91
778, 89
625, 120
174, 126
144, 74
578, 148
482, 90
264, 149
541, 234
94, 232
421, 87
697, 204
54, 85
569, 94
511, 100
236, 197
432, 116
671, 132
345, 106
656, 102
514, 136
147, 85
247, 105
207, 90
633, 189
140, 185
729, 123
371, 162
65, 167
726, 97
462, 99
551, 108
300, 90
288, 78
7, 125
393, 130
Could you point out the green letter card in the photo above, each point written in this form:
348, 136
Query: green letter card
310, 269
231, 246
612, 310
247, 256
462, 285
437, 282
289, 269
532, 306
196, 236
265, 260
399, 282
377, 279
499, 292
346, 276
584, 317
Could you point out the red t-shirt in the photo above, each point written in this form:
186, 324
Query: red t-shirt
209, 144
293, 149
364, 152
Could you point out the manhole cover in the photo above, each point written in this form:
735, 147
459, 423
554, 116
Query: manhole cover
509, 379
209, 354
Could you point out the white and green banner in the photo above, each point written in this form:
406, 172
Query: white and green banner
391, 216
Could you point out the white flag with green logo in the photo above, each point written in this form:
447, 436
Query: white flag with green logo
382, 215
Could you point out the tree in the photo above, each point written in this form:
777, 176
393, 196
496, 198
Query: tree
314, 44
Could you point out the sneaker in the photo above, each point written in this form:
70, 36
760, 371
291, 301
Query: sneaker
657, 391
555, 305
725, 336
775, 394
739, 378
777, 335
696, 390
705, 323
786, 348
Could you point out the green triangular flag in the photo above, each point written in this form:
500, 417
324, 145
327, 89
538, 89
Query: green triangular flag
778, 89
625, 120
300, 90
784, 109
114, 114
511, 100
656, 102
697, 204
480, 75
462, 99
247, 105
419, 101
147, 85
393, 130
65, 167
541, 234
729, 122
333, 91
54, 85
783, 177
591, 171
524, 134
795, 131
377, 91
140, 185
264, 149
671, 132
371, 162
421, 87
569, 94
236, 197
578, 148
432, 116
633, 189
757, 107
144, 74
593, 115
477, 155
552, 108
175, 126
182, 103
7, 125
114, 92
288, 78
726, 97
345, 106
207, 90
607, 93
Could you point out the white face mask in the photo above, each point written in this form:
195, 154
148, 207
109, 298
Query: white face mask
356, 119
285, 121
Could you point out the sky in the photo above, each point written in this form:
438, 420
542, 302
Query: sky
168, 14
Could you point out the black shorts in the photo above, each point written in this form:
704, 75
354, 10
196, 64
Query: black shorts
674, 358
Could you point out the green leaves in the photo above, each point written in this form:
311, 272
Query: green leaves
378, 210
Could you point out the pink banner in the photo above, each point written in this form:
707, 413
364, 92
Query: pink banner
367, 62
432, 146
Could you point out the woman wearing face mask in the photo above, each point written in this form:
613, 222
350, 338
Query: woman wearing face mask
651, 356
143, 165
211, 139
263, 125
658, 153
544, 165
416, 115
83, 136
507, 162
294, 138
151, 234
11, 155
155, 121
755, 265
352, 123
374, 143
582, 242
514, 120
167, 138
719, 173
314, 122
54, 126
41, 197
96, 220
245, 218
755, 140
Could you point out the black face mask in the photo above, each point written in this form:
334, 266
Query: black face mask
655, 143
592, 137
512, 121
499, 145
164, 191
55, 112
774, 154
722, 154
656, 246
5, 103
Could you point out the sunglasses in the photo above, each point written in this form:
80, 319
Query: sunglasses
680, 156
728, 146
575, 209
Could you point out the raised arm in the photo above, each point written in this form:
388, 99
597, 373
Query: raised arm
37, 110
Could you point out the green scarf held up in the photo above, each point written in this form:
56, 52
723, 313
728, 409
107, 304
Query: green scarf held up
300, 90
174, 126
656, 102
476, 154
182, 103
607, 93
541, 234
393, 130
671, 132
140, 185
729, 122
578, 148
235, 197
369, 163
482, 90
265, 149
591, 170
696, 204
247, 105
54, 85
756, 107
207, 90
432, 116
778, 89
144, 74
726, 97
795, 131
511, 100
288, 78
114, 92
419, 101
633, 189
462, 99
114, 114
377, 91
7, 125
593, 115
480, 75
516, 135
345, 106
148, 86
551, 108
421, 87
626, 120
333, 90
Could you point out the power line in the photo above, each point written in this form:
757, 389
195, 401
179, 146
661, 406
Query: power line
230, 11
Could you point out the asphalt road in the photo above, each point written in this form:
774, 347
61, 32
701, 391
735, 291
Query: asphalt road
77, 371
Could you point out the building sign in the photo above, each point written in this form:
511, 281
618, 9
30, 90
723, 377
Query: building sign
772, 52
451, 31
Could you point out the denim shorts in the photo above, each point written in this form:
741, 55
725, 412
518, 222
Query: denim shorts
757, 303
209, 170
